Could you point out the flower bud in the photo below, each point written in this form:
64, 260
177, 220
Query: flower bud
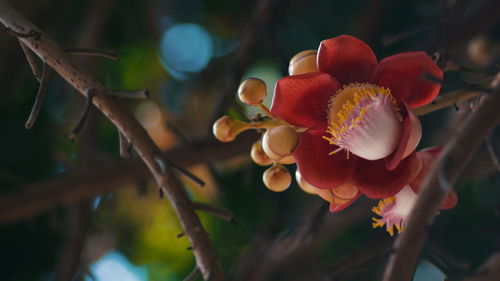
479, 51
225, 129
252, 91
287, 160
280, 141
277, 178
304, 185
303, 62
259, 156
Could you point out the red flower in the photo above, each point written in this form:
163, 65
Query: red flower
395, 210
361, 132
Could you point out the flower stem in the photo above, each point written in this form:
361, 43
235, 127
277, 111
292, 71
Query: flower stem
447, 100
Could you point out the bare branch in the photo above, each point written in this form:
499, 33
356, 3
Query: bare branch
216, 211
139, 94
446, 100
30, 57
93, 52
30, 34
84, 116
41, 197
459, 151
39, 96
59, 60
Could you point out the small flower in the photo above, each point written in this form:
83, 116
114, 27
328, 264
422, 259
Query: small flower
395, 210
361, 132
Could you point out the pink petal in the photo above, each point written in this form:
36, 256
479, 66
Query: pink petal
405, 74
346, 58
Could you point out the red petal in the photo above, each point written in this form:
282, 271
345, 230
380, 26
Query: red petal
346, 58
405, 75
317, 167
426, 157
302, 100
375, 181
410, 137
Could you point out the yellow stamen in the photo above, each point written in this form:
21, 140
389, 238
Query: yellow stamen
347, 99
382, 204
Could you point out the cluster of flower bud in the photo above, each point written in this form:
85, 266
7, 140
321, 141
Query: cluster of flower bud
280, 139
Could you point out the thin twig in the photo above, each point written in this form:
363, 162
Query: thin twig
44, 81
459, 151
84, 116
189, 175
493, 152
162, 165
138, 94
193, 275
125, 146
216, 211
93, 52
30, 57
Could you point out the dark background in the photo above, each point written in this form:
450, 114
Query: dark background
192, 55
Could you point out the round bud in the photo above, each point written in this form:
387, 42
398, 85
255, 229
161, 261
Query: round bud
259, 156
287, 160
277, 178
303, 62
280, 141
225, 129
304, 185
252, 91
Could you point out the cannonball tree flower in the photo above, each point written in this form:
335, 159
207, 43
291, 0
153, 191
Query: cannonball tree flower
361, 132
393, 211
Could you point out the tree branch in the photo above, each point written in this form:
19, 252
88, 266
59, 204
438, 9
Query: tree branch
29, 201
452, 161
59, 60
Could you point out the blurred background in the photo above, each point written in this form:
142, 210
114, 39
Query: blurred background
72, 210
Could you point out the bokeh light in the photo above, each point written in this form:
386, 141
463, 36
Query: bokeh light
186, 48
426, 271
115, 267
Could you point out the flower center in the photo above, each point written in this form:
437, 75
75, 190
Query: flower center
364, 119
394, 210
